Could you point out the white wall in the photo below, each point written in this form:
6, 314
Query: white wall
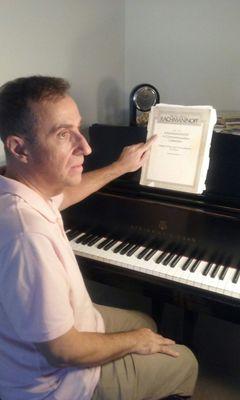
80, 40
188, 49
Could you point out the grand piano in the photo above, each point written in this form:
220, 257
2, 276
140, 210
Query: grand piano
171, 246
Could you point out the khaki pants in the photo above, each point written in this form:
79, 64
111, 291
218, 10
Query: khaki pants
143, 377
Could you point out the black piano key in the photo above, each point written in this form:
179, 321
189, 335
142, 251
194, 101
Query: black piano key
88, 238
161, 257
223, 273
169, 258
195, 265
72, 234
175, 260
143, 253
82, 237
215, 270
186, 264
133, 250
110, 244
149, 255
236, 275
177, 256
119, 247
207, 268
126, 248
94, 240
103, 243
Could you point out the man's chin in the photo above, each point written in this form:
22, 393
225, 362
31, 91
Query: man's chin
74, 180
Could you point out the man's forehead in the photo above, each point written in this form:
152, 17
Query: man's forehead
62, 111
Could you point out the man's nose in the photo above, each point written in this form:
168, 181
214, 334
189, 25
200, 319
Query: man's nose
82, 145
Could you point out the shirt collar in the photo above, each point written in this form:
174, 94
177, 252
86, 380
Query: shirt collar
31, 197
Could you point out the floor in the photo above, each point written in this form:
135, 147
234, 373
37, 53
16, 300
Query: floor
216, 343
215, 384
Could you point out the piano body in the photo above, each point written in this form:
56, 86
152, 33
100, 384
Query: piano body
172, 246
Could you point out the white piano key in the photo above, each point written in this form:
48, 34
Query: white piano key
178, 273
210, 283
230, 287
221, 283
150, 267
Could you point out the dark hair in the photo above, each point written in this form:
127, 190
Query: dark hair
16, 115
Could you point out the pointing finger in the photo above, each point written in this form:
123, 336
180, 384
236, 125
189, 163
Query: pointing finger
150, 141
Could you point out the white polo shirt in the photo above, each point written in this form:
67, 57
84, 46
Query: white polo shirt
42, 295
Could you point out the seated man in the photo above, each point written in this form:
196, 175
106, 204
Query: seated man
54, 343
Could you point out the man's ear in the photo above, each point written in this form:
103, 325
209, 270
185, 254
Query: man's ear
16, 146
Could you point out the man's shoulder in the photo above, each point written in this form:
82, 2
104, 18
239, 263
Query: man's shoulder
18, 218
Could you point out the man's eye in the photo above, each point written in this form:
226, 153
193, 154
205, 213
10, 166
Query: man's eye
63, 134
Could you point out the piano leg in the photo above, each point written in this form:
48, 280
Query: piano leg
190, 319
157, 312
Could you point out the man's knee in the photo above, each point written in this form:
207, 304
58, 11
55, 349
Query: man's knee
189, 359
143, 320
188, 366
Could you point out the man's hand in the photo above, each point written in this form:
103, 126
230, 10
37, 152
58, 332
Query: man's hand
133, 157
149, 342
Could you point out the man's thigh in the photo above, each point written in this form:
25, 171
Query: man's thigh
121, 320
137, 377
152, 377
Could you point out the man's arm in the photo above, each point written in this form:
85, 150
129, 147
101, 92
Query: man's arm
88, 349
131, 159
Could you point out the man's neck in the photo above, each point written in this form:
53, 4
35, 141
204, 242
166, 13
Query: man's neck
26, 180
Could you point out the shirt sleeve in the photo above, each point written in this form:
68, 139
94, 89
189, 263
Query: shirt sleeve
35, 289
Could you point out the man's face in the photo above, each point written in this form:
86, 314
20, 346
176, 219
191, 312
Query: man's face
58, 154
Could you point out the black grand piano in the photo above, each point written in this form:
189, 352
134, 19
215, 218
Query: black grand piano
171, 246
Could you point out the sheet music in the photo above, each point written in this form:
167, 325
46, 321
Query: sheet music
180, 155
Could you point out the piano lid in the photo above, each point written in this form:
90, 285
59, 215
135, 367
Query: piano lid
222, 182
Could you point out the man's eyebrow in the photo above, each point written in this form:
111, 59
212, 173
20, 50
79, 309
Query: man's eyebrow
60, 126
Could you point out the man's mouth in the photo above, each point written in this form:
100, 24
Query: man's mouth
77, 166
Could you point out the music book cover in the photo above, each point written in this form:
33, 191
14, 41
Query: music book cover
179, 158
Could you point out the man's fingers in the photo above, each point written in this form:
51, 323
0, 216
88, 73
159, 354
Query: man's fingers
150, 141
145, 147
145, 156
167, 341
169, 351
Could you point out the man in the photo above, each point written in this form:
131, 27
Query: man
54, 343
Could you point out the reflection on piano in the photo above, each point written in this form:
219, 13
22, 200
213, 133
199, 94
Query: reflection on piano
169, 245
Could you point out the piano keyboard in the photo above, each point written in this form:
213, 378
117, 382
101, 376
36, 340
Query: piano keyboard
209, 276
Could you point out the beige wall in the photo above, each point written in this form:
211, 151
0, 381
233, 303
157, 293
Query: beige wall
80, 40
189, 49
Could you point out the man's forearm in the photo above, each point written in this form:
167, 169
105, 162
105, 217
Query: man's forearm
93, 349
90, 183
88, 349
94, 180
